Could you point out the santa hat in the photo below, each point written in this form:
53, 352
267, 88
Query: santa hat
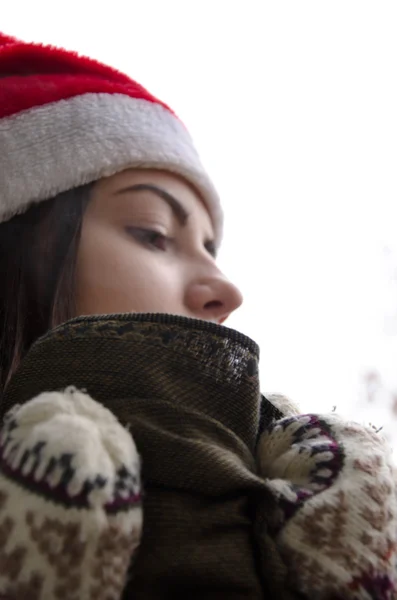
66, 121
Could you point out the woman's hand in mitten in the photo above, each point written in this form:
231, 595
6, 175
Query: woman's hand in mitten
335, 511
70, 500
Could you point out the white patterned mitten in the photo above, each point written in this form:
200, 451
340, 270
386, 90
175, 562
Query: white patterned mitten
70, 504
335, 521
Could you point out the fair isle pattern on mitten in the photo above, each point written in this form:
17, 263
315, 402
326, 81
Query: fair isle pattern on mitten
70, 500
335, 512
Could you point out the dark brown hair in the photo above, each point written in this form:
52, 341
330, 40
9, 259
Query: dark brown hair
37, 264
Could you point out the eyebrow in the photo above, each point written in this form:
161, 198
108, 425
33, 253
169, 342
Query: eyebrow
179, 211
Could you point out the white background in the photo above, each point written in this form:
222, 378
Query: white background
293, 106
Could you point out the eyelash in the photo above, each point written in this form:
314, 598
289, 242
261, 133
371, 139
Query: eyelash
148, 237
211, 249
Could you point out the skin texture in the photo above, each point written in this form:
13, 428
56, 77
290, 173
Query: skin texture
138, 253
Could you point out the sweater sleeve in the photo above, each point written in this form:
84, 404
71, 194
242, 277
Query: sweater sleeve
334, 517
70, 506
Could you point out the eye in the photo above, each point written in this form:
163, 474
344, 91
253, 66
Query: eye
150, 237
211, 248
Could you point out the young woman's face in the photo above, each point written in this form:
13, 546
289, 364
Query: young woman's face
147, 246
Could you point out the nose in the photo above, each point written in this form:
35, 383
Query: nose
213, 298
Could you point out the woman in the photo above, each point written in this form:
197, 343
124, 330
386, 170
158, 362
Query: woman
113, 357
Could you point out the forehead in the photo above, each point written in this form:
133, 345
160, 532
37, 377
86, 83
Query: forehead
173, 184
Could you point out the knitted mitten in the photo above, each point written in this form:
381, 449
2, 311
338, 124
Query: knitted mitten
335, 512
70, 511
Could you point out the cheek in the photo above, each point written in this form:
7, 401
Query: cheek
115, 275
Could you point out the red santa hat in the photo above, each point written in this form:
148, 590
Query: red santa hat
66, 121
